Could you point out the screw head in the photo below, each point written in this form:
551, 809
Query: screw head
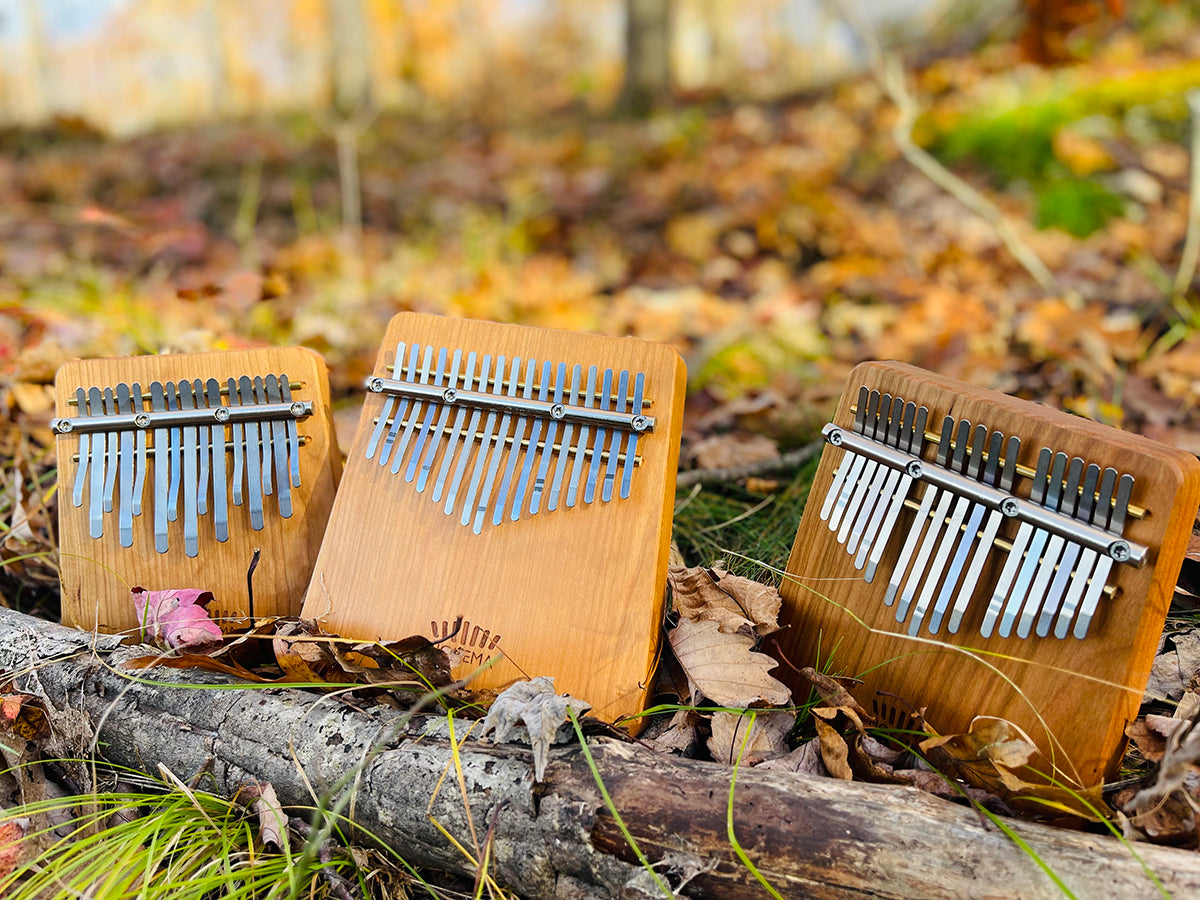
376, 385
638, 423
142, 420
449, 395
1009, 506
835, 437
915, 469
557, 411
1119, 551
62, 426
296, 409
221, 413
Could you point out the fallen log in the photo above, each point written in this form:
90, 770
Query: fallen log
807, 836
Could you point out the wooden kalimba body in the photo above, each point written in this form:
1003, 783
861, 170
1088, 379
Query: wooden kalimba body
519, 480
173, 470
978, 555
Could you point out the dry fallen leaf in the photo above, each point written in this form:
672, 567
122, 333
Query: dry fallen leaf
177, 618
834, 752
724, 668
24, 715
766, 739
678, 735
737, 604
1174, 667
725, 451
272, 823
11, 835
805, 759
533, 711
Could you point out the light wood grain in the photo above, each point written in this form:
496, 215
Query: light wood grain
575, 593
97, 574
1073, 697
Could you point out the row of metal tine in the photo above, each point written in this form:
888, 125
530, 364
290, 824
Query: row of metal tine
524, 416
186, 429
1057, 563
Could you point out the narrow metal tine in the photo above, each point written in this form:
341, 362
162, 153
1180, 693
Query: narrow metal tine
916, 446
918, 525
431, 409
254, 478
950, 537
1024, 533
518, 436
560, 468
139, 440
468, 436
162, 468
1066, 567
1116, 525
84, 447
451, 454
485, 493
877, 430
860, 464
443, 418
916, 578
543, 470
96, 480
418, 406
204, 451
293, 434
264, 431
401, 407
1037, 544
639, 387
977, 510
279, 444
125, 503
579, 465
589, 491
1050, 556
535, 432
900, 439
189, 476
174, 455
887, 432
614, 450
112, 464
484, 442
1087, 559
386, 408
848, 458
239, 450
220, 488
983, 550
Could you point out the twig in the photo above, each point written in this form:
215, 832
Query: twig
1191, 243
793, 459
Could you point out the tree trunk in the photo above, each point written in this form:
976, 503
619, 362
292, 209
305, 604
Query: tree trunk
647, 81
812, 837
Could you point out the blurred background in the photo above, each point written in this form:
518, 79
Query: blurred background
779, 188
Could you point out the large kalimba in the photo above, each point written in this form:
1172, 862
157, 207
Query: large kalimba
974, 554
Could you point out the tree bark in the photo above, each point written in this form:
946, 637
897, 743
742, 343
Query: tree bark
647, 80
812, 837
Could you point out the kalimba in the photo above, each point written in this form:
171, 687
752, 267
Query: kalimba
519, 483
174, 469
974, 554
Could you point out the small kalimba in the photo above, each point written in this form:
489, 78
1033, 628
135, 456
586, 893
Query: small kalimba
174, 469
519, 480
975, 554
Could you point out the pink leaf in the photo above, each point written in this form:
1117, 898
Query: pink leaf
178, 618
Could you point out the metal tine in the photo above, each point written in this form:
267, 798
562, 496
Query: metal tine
535, 432
279, 444
914, 446
543, 470
560, 468
1050, 556
1116, 525
933, 530
293, 433
983, 551
468, 435
839, 478
162, 467
859, 464
1066, 566
498, 449
238, 444
485, 441
84, 447
1037, 545
874, 501
518, 436
139, 469
589, 491
1087, 559
254, 478
614, 450
443, 418
1024, 533
174, 455
113, 464
204, 451
417, 408
386, 409
401, 407
220, 488
189, 476
900, 439
990, 471
639, 387
451, 454
878, 426
264, 431
914, 534
578, 464
431, 409
96, 479
950, 537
